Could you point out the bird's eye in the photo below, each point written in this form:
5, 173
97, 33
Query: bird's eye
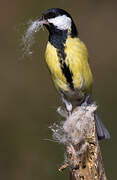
49, 15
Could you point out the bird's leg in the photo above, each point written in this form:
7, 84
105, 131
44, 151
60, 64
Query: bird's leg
84, 104
88, 100
67, 104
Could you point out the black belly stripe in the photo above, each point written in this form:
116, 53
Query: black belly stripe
65, 68
68, 75
58, 40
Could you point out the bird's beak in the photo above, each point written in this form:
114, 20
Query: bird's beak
42, 21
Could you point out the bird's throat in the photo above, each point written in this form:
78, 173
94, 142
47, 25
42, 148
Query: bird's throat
58, 38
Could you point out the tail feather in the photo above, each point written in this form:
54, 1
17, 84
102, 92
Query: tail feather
102, 132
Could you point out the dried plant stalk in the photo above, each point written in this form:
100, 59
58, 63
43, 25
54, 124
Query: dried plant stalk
78, 134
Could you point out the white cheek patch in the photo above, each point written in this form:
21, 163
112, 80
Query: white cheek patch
61, 22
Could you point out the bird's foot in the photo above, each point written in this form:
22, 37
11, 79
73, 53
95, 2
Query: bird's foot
62, 112
67, 104
86, 101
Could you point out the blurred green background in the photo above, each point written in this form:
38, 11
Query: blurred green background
28, 100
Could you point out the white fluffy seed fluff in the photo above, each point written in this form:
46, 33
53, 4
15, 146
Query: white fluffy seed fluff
61, 22
28, 37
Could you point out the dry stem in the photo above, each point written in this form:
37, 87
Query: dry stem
78, 134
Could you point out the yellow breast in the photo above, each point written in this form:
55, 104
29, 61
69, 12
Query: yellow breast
53, 63
76, 59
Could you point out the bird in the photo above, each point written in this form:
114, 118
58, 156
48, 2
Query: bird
68, 62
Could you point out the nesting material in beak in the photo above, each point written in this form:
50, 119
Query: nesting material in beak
28, 37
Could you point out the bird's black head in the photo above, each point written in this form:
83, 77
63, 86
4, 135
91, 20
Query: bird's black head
58, 20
